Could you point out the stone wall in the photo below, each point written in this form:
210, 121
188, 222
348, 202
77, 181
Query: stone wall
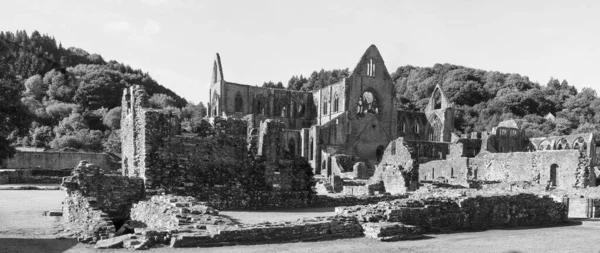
186, 222
453, 171
56, 160
113, 194
84, 220
33, 176
568, 167
465, 213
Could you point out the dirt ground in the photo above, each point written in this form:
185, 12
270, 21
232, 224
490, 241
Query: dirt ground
24, 229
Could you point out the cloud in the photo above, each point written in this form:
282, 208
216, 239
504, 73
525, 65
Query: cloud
120, 26
151, 27
153, 2
142, 40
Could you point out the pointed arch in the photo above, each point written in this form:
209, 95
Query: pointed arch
545, 145
437, 128
238, 102
217, 74
580, 144
438, 100
292, 146
562, 144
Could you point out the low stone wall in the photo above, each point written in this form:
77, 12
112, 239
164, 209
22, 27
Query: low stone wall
57, 160
33, 176
321, 228
186, 222
85, 221
479, 212
227, 200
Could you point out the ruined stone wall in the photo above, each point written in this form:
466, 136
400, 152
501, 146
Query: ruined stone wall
33, 176
109, 192
96, 197
185, 222
84, 220
287, 106
453, 171
327, 98
466, 213
528, 166
396, 167
570, 167
270, 139
411, 125
56, 160
183, 162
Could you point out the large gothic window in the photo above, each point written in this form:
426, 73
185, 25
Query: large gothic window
238, 102
367, 103
436, 128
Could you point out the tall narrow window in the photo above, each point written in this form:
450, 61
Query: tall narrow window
238, 103
336, 103
370, 68
324, 107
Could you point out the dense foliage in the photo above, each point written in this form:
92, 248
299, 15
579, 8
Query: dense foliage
484, 98
59, 97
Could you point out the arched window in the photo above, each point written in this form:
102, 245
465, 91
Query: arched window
545, 145
367, 103
292, 146
436, 128
580, 144
310, 149
379, 153
562, 144
284, 111
336, 103
238, 104
300, 110
553, 174
324, 107
437, 99
416, 128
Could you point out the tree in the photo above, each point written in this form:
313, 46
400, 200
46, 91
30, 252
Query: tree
14, 116
35, 87
112, 118
161, 101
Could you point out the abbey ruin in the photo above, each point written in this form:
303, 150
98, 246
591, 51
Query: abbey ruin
388, 172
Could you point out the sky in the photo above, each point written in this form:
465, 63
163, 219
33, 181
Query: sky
176, 41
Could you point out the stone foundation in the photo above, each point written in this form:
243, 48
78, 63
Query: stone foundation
452, 214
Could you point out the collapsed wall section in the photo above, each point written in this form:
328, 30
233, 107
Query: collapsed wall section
95, 198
